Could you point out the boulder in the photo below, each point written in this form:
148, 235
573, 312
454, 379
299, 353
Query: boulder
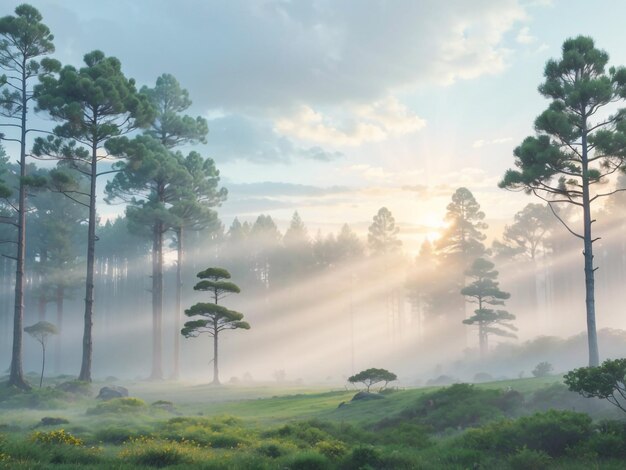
367, 396
165, 406
112, 391
75, 387
50, 421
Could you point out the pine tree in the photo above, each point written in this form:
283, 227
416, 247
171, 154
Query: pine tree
577, 146
462, 240
94, 104
23, 40
215, 318
485, 292
382, 237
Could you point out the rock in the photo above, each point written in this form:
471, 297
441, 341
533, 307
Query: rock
112, 391
75, 387
164, 405
342, 404
49, 421
367, 396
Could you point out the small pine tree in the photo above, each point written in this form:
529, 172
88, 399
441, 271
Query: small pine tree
215, 317
485, 292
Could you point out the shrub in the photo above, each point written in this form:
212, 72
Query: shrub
117, 434
309, 433
363, 457
119, 406
307, 461
553, 432
526, 459
331, 449
37, 398
56, 437
274, 449
158, 453
458, 406
543, 369
76, 387
220, 432
482, 377
406, 434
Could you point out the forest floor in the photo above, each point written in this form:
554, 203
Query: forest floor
527, 423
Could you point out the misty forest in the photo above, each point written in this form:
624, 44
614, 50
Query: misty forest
295, 270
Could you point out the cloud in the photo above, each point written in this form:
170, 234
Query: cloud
278, 54
482, 142
254, 198
237, 137
279, 189
360, 124
524, 36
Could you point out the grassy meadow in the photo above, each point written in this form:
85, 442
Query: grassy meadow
519, 424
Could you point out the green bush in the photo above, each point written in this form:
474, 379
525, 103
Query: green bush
307, 461
274, 449
36, 398
220, 432
76, 387
406, 434
609, 440
309, 433
557, 396
363, 457
56, 437
117, 434
528, 459
553, 432
119, 406
331, 449
458, 406
151, 452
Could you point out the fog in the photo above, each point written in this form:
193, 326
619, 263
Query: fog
318, 320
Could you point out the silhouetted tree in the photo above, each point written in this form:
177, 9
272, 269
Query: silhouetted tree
485, 292
382, 236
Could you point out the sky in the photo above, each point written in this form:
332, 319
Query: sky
337, 108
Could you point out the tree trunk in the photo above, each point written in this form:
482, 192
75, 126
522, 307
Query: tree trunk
157, 302
43, 363
216, 376
60, 295
592, 336
85, 368
482, 340
16, 377
177, 312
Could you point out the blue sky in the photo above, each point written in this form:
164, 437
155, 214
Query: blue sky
336, 108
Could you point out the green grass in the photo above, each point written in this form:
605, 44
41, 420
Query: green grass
277, 426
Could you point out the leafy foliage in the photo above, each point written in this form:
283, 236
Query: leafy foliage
373, 376
543, 369
607, 381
